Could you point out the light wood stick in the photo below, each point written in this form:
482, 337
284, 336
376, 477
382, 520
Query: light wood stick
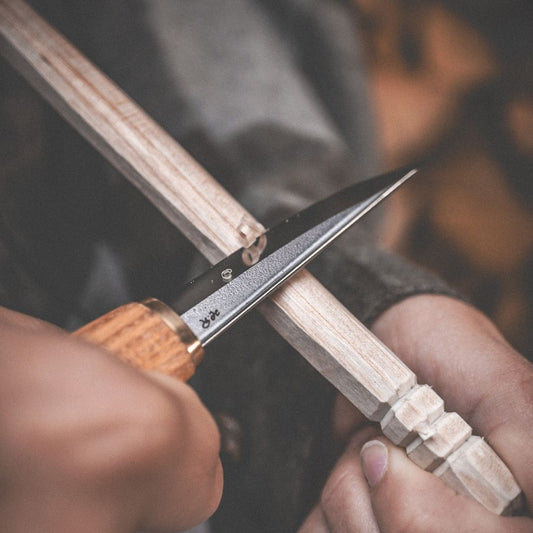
303, 311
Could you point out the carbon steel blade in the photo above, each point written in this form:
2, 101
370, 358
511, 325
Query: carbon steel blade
213, 301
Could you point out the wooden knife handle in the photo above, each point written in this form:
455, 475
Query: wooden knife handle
147, 335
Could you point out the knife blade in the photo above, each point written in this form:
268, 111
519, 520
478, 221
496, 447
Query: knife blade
154, 336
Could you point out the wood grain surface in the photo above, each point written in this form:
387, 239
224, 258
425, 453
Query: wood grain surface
142, 338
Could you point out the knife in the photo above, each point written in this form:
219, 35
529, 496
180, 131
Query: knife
154, 336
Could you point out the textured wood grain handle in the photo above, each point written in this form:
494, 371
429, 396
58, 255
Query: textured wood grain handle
147, 335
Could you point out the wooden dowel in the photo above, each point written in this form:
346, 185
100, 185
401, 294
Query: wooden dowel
303, 311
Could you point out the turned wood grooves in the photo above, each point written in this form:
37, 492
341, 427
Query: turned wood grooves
303, 311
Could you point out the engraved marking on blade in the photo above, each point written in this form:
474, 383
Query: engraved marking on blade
211, 317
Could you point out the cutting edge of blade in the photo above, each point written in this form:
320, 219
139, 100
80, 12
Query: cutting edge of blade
346, 219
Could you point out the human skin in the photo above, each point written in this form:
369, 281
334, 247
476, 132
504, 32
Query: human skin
458, 351
89, 444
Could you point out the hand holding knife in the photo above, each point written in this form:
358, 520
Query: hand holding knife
153, 336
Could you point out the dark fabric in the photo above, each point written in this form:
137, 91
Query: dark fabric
271, 98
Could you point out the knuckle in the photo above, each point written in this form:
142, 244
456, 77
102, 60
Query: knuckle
182, 427
515, 390
417, 508
338, 485
524, 388
506, 388
190, 422
140, 436
408, 519
162, 426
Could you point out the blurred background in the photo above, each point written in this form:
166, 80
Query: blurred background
452, 82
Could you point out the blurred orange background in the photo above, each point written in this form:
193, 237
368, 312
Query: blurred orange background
452, 82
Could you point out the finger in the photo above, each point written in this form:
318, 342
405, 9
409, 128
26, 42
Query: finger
345, 499
14, 318
406, 498
346, 419
315, 522
458, 351
433, 335
186, 477
147, 443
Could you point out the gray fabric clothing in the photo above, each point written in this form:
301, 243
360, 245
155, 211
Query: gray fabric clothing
271, 98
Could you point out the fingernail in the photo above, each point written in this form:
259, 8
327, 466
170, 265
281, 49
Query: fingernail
374, 460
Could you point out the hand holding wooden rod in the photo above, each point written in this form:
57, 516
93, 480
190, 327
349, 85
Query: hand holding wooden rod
151, 336
303, 311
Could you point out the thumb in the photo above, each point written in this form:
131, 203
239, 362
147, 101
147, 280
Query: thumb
406, 498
